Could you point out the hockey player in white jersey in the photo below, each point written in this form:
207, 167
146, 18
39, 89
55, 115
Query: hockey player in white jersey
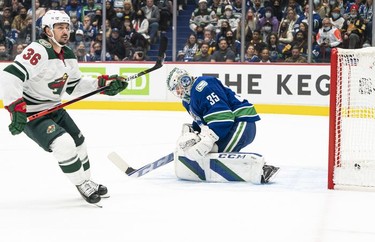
36, 81
224, 123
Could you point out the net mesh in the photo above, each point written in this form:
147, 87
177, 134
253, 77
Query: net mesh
355, 118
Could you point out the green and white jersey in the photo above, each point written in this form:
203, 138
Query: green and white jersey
41, 77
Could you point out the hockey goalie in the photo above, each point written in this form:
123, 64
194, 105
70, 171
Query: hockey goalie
209, 148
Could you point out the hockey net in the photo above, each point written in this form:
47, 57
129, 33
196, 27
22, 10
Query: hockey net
352, 119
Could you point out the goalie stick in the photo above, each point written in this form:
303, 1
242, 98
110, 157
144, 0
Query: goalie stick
158, 64
130, 171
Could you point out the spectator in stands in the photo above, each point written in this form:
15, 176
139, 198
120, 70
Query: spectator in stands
98, 38
190, 49
208, 38
353, 29
75, 25
74, 8
328, 37
118, 20
20, 21
7, 16
203, 17
296, 56
8, 36
89, 9
18, 50
39, 11
221, 32
55, 5
82, 55
251, 54
110, 12
140, 25
116, 46
127, 29
336, 18
138, 4
265, 55
258, 8
128, 10
233, 44
269, 18
4, 55
97, 19
165, 8
285, 34
97, 55
292, 5
203, 55
275, 48
252, 20
89, 32
229, 17
304, 27
237, 8
300, 40
25, 35
152, 14
138, 55
266, 30
218, 7
257, 41
317, 20
293, 20
78, 39
322, 8
223, 54
366, 12
277, 9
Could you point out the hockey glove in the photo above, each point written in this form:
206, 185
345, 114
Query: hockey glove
116, 84
17, 110
203, 147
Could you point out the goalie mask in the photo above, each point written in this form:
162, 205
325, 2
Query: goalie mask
179, 82
53, 17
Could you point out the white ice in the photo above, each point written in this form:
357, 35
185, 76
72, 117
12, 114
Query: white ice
39, 204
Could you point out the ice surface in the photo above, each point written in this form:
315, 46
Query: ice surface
38, 203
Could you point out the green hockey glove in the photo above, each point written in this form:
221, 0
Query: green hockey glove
116, 84
17, 110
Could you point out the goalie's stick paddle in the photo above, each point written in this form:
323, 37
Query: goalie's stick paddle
125, 167
158, 64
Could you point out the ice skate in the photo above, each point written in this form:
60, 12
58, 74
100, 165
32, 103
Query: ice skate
268, 172
88, 192
100, 189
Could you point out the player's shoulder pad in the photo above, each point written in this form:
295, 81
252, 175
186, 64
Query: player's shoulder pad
69, 53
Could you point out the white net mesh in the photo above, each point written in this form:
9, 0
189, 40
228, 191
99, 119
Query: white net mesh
355, 118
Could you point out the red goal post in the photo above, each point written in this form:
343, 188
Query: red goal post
352, 119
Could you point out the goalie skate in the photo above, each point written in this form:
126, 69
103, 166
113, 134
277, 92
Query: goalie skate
88, 192
268, 172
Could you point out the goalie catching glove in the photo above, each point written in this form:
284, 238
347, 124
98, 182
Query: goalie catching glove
197, 147
17, 110
116, 84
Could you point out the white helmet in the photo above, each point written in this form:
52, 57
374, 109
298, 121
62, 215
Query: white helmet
179, 82
53, 17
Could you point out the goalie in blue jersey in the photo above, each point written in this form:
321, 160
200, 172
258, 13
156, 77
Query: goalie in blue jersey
224, 123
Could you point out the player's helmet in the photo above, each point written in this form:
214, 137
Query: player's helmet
179, 82
53, 17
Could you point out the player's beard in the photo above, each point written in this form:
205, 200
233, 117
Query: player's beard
63, 40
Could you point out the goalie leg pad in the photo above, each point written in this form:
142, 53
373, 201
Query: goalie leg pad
221, 167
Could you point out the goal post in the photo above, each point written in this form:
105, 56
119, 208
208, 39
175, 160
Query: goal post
351, 156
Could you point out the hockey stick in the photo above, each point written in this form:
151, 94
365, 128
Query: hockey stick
124, 167
158, 64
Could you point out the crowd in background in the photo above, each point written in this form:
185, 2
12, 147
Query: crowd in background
130, 26
276, 30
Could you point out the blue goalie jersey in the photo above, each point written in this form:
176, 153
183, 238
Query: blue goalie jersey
218, 107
